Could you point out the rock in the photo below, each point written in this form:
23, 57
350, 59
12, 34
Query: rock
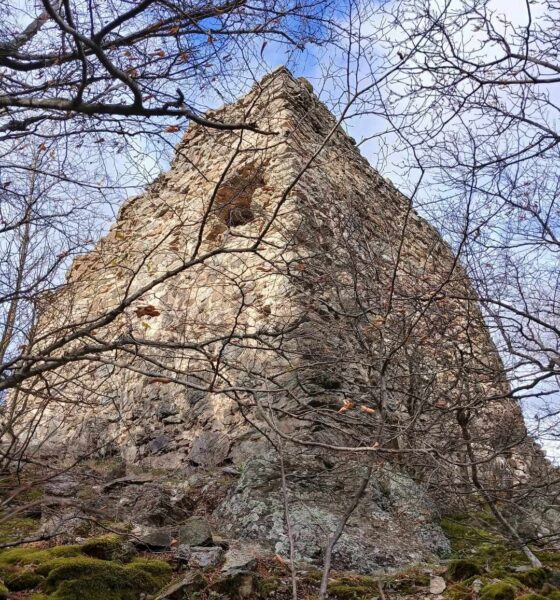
195, 532
183, 553
167, 409
128, 480
209, 449
437, 584
158, 444
173, 420
64, 486
184, 589
241, 557
476, 585
155, 505
156, 538
199, 556
237, 585
254, 510
231, 471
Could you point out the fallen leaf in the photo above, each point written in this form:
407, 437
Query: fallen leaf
147, 311
346, 405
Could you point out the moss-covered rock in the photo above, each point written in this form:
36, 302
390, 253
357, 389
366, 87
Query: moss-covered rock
459, 591
501, 590
33, 556
533, 578
267, 586
465, 535
109, 547
351, 587
22, 580
84, 578
461, 569
531, 597
345, 591
17, 528
69, 573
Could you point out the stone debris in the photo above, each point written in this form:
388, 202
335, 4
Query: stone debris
199, 557
195, 532
437, 585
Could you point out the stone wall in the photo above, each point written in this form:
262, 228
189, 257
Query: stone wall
272, 295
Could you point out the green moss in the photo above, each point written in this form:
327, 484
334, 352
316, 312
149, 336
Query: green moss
313, 576
267, 586
32, 556
159, 570
84, 578
500, 590
3, 591
407, 582
109, 547
349, 587
461, 569
69, 573
531, 597
31, 495
17, 527
533, 578
459, 591
553, 595
464, 536
344, 591
23, 580
549, 558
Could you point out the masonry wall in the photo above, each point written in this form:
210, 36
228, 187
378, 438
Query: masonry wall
273, 291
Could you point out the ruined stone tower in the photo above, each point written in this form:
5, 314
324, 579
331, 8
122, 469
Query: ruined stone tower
272, 301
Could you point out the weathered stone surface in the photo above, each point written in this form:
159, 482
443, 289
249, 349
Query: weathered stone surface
237, 586
209, 449
195, 532
373, 539
184, 589
242, 556
151, 504
199, 556
157, 538
437, 585
246, 347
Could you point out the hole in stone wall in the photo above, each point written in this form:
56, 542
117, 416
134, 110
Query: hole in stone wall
234, 198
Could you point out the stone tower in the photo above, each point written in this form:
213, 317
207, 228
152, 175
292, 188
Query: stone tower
272, 307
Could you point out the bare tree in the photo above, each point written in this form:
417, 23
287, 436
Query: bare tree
383, 364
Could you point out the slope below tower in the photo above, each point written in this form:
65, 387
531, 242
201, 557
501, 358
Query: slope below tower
274, 307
